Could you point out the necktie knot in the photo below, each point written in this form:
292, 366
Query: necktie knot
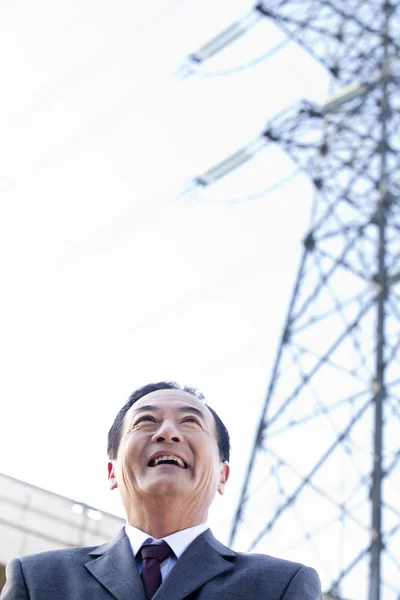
158, 551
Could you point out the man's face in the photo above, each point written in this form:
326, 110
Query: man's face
169, 447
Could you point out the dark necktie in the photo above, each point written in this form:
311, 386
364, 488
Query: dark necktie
152, 557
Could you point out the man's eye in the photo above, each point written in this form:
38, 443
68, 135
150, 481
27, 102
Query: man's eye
146, 418
191, 420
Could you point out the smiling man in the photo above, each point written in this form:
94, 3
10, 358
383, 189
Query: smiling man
168, 457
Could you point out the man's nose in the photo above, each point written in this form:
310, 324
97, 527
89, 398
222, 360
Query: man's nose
167, 432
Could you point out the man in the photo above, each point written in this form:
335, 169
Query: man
168, 456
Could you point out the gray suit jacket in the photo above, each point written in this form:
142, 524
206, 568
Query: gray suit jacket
206, 570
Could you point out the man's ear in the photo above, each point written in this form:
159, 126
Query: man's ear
112, 480
225, 469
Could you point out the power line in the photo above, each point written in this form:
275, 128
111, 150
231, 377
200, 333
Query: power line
248, 197
243, 67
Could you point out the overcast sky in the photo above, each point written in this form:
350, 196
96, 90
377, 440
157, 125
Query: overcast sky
111, 275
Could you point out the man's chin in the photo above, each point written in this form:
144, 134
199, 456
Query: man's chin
167, 486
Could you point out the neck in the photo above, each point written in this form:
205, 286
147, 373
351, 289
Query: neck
163, 516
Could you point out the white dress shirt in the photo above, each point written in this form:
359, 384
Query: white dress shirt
177, 541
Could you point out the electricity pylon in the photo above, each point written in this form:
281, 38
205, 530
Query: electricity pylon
323, 482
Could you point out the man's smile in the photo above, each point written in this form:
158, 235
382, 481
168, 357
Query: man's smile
168, 459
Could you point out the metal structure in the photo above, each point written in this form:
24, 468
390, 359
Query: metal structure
323, 482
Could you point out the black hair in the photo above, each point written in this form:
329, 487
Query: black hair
114, 435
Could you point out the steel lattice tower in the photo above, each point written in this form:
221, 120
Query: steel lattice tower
323, 482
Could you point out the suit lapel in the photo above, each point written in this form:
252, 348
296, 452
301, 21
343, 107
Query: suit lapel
114, 566
203, 560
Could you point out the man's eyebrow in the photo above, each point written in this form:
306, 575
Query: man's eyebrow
192, 409
181, 409
146, 408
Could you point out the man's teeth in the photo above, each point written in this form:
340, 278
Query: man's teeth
170, 457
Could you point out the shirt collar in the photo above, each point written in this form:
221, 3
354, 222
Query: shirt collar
177, 541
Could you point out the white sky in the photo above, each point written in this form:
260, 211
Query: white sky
112, 278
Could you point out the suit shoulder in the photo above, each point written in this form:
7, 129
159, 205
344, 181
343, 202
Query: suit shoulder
266, 561
282, 578
62, 555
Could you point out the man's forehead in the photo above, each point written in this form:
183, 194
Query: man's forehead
174, 399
